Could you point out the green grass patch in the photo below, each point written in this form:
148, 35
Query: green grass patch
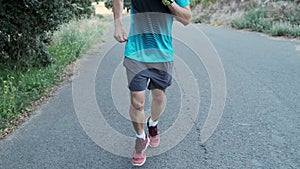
20, 88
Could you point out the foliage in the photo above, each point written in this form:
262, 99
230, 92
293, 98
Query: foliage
193, 3
26, 25
19, 88
207, 3
280, 29
8, 97
257, 19
292, 15
272, 21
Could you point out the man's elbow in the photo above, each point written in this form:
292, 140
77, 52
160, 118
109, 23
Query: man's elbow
187, 21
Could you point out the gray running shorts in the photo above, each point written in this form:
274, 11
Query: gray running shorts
141, 75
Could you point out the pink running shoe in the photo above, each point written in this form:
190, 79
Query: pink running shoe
153, 135
139, 153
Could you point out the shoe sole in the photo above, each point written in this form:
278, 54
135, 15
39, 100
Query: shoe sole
138, 165
154, 146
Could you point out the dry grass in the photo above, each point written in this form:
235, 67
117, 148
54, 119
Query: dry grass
101, 9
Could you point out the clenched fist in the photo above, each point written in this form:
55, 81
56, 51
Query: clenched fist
120, 34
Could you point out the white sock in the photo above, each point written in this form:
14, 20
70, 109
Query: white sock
143, 135
152, 123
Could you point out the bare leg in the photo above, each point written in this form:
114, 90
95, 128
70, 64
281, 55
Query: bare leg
136, 110
158, 103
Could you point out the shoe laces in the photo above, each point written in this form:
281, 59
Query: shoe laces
153, 130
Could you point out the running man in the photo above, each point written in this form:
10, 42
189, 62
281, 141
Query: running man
148, 61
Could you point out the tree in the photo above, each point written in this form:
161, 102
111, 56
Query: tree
24, 25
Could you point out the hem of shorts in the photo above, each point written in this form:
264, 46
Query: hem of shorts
146, 61
160, 88
135, 90
147, 88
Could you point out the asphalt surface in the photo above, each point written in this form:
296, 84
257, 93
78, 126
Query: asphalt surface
259, 128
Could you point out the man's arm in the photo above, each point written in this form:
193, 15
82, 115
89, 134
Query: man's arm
120, 35
183, 14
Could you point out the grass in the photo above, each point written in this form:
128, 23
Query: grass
19, 89
271, 22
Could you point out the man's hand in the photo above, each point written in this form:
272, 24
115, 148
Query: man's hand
120, 34
182, 14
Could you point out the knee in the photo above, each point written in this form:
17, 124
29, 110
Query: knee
138, 105
137, 100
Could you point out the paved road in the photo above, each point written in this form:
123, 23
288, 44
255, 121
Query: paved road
259, 128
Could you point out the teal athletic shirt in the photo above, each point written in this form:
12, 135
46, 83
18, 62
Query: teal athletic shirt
150, 35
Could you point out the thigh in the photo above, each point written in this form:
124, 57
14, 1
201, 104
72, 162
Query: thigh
161, 78
137, 74
158, 95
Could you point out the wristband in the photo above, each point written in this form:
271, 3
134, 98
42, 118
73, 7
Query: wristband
167, 2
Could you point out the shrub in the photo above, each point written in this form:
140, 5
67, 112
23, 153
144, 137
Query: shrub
280, 29
292, 15
8, 97
207, 3
275, 21
238, 23
19, 88
295, 32
194, 3
256, 19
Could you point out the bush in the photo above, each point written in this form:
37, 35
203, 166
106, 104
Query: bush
194, 3
26, 24
8, 98
291, 14
280, 29
256, 19
207, 3
19, 88
238, 23
295, 32
275, 21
